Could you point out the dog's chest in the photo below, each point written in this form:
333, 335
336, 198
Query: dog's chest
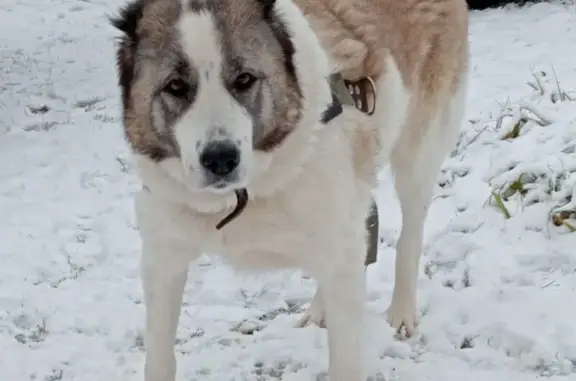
263, 237
268, 235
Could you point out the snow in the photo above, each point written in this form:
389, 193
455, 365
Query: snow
497, 294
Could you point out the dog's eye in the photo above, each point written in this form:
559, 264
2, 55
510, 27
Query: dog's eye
177, 88
244, 82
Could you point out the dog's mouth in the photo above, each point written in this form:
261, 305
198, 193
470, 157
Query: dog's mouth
222, 186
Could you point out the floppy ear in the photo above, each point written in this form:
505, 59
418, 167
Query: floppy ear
127, 22
267, 6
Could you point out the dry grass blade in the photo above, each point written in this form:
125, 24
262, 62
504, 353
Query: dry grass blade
515, 131
543, 119
538, 86
524, 113
500, 205
561, 94
560, 219
570, 227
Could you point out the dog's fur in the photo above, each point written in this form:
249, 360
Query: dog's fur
309, 182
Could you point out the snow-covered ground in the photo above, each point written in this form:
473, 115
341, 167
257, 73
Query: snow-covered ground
498, 294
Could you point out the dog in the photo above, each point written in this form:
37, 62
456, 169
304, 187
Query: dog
243, 148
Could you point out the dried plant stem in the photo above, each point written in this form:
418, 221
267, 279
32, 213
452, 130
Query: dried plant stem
500, 205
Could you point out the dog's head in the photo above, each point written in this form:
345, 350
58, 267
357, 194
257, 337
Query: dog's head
218, 85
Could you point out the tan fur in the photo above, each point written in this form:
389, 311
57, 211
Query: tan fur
157, 24
427, 38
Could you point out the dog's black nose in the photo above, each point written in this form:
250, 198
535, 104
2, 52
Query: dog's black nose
220, 158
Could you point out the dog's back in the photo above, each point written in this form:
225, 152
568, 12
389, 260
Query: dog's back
422, 41
423, 36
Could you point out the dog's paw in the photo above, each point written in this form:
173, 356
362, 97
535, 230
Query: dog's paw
311, 319
403, 317
314, 315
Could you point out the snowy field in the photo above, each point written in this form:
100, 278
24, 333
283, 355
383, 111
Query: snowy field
498, 294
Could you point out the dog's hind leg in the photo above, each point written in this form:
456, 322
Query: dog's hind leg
416, 161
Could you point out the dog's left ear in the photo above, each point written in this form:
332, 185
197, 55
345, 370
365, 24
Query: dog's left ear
267, 7
127, 22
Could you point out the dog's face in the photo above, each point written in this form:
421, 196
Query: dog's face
210, 83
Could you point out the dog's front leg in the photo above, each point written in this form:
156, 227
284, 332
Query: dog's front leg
164, 275
343, 295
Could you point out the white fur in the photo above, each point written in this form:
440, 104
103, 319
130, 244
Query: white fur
392, 107
307, 210
416, 173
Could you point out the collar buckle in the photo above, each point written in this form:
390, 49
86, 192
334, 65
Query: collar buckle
360, 93
363, 93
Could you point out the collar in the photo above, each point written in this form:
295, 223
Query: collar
340, 96
333, 110
241, 202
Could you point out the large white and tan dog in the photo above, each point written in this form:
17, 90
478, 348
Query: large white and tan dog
228, 109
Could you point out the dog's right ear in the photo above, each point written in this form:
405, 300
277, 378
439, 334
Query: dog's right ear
267, 6
127, 22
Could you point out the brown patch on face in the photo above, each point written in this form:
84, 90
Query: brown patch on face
256, 40
157, 84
